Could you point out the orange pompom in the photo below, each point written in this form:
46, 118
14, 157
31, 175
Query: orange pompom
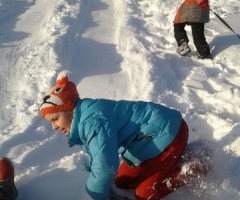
62, 81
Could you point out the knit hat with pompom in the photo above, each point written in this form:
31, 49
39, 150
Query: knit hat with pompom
61, 97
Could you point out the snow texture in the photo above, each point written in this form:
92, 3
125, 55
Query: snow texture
116, 50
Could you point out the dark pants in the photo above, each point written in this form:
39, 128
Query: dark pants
199, 39
8, 191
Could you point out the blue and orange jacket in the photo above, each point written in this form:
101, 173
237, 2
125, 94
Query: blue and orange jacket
105, 129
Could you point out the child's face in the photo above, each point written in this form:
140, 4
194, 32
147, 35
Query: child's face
60, 121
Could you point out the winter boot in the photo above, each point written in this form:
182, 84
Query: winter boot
183, 48
6, 170
204, 52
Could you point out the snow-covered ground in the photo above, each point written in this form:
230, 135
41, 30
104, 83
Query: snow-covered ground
117, 50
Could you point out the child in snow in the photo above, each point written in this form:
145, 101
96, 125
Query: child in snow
149, 137
194, 13
8, 190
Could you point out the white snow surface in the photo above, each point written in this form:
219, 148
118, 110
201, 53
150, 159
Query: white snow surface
118, 50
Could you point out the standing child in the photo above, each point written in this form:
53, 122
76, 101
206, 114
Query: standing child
194, 13
149, 137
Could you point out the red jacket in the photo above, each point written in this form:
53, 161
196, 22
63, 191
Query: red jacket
190, 12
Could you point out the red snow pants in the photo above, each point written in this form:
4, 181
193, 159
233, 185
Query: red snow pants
148, 178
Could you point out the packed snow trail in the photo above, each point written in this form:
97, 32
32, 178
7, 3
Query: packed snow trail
40, 39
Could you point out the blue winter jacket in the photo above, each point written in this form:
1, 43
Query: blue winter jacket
106, 128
